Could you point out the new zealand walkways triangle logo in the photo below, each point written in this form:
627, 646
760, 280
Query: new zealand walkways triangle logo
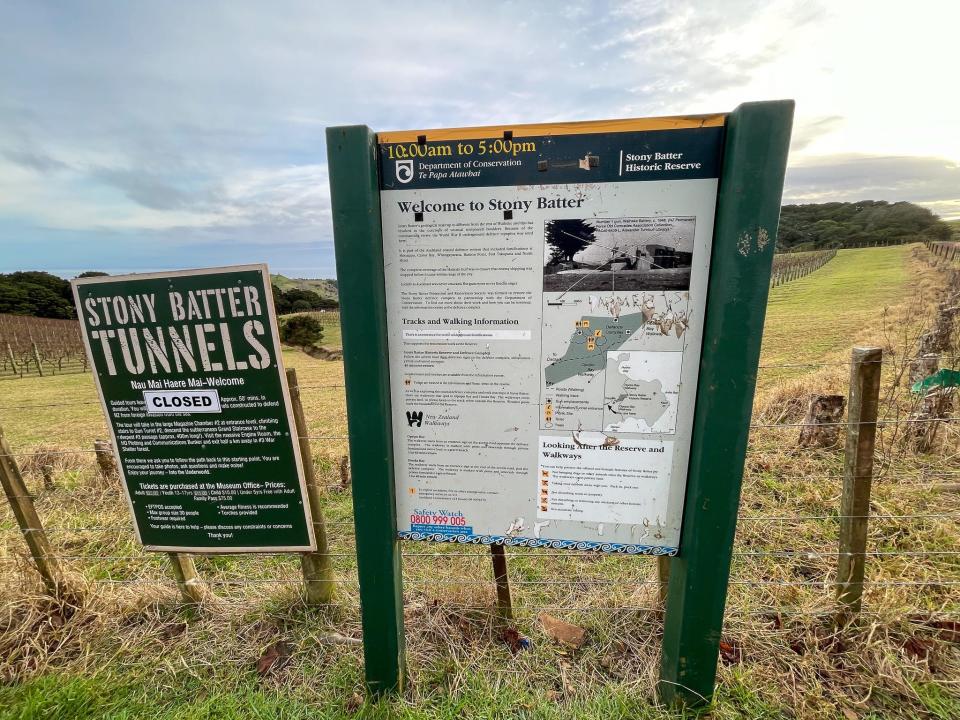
414, 418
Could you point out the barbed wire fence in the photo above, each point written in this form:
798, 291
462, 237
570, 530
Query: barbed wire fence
947, 250
787, 560
786, 569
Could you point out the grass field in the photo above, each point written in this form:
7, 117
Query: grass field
331, 336
826, 313
133, 651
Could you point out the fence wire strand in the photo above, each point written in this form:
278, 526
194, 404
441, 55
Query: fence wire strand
746, 559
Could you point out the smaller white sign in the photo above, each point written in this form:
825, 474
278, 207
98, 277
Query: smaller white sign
182, 401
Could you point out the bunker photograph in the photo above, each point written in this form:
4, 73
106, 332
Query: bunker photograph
652, 253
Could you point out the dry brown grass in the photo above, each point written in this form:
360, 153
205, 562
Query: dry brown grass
783, 654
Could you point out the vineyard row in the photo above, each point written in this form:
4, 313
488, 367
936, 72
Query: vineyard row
31, 346
793, 266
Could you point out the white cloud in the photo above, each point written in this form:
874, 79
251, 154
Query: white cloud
296, 195
211, 116
930, 181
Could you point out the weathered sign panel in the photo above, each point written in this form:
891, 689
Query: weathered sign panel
188, 368
545, 294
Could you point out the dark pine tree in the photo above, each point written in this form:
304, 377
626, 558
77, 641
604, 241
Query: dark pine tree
568, 237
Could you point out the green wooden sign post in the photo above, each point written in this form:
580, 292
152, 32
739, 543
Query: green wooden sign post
748, 211
355, 194
750, 186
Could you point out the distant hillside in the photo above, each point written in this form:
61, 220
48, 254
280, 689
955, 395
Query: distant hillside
323, 288
955, 228
819, 226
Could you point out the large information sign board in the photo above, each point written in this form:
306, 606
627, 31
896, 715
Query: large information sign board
545, 294
188, 368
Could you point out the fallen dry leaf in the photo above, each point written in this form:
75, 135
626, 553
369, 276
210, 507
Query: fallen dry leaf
730, 652
172, 630
276, 652
949, 629
564, 632
918, 648
513, 639
354, 703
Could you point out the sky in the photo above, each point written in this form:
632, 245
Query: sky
139, 136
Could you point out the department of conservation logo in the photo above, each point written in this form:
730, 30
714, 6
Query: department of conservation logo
404, 170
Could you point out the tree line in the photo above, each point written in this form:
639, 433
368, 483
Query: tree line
819, 226
824, 226
40, 294
297, 300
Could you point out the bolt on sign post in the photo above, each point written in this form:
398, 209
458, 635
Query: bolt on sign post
190, 375
536, 319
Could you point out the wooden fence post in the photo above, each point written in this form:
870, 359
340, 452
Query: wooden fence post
191, 586
504, 601
48, 480
663, 576
106, 462
29, 521
865, 369
13, 361
36, 357
317, 568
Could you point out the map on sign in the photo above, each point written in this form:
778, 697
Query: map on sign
641, 392
611, 361
589, 343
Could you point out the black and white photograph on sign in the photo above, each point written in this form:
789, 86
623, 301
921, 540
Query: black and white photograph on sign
631, 253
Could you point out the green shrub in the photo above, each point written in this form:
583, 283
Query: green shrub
301, 331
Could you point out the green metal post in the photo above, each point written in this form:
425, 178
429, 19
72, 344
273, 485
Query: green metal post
355, 195
745, 233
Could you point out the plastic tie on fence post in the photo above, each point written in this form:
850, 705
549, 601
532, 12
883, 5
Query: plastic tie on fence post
942, 378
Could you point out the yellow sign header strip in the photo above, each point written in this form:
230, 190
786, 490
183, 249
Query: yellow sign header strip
676, 122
